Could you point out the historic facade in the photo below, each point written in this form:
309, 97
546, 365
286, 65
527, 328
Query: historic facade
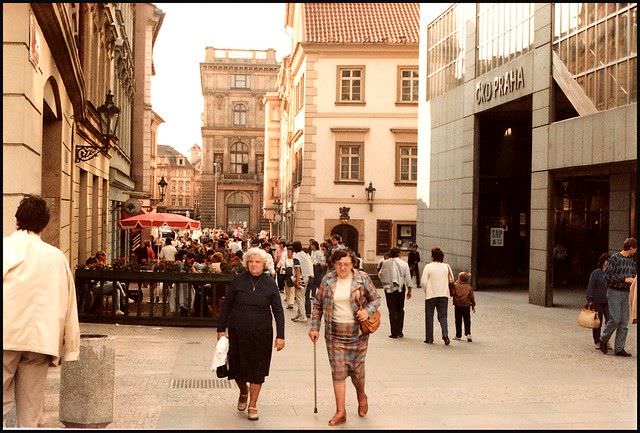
234, 83
528, 140
341, 130
61, 60
182, 179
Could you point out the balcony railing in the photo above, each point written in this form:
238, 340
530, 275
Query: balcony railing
150, 298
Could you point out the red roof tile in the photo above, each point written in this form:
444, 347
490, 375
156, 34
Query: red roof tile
393, 23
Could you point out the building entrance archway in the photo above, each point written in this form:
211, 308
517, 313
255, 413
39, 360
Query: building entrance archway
349, 235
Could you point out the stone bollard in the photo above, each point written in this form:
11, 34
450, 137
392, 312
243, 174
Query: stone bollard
87, 385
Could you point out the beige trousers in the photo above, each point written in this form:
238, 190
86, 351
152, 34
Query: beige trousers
633, 300
24, 380
289, 294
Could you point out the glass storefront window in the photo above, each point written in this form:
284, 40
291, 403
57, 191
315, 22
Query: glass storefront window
597, 43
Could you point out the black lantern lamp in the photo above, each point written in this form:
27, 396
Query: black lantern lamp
371, 193
109, 116
162, 185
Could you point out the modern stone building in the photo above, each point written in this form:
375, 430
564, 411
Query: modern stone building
528, 140
344, 119
234, 83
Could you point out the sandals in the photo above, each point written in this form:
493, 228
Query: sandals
338, 419
252, 414
242, 402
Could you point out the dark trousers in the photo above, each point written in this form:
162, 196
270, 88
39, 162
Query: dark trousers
280, 281
603, 310
462, 313
440, 304
395, 305
309, 292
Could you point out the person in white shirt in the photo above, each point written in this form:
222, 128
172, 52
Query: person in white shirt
306, 272
269, 266
235, 246
435, 280
319, 265
168, 252
397, 283
40, 316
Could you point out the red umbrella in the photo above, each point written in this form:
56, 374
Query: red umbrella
159, 220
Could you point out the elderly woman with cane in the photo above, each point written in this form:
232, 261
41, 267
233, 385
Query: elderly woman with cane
338, 299
250, 302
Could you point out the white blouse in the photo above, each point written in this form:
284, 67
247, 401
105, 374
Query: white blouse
342, 311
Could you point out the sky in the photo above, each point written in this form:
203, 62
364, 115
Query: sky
187, 29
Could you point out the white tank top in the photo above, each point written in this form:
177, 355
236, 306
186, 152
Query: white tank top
342, 311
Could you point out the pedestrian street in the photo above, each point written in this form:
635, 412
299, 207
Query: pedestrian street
527, 367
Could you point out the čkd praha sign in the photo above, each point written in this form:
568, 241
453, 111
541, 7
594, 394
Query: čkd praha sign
502, 85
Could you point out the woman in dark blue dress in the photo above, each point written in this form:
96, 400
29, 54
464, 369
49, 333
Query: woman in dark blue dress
251, 303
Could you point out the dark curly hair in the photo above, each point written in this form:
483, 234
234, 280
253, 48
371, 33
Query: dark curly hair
437, 255
337, 255
32, 214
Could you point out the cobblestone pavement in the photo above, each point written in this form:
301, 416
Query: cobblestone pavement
527, 367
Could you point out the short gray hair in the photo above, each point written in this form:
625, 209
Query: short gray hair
254, 251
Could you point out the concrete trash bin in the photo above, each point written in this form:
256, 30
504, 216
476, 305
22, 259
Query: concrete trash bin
87, 385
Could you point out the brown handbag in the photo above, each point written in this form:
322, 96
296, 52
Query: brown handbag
372, 323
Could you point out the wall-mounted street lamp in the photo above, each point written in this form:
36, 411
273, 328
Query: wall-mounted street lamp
371, 193
162, 185
109, 116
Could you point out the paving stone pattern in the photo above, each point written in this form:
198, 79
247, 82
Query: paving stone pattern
527, 367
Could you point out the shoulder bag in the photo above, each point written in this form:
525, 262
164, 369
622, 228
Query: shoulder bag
372, 323
588, 317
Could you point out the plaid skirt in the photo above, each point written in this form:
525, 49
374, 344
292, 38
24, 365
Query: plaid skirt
347, 350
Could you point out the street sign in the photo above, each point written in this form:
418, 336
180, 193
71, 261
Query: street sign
496, 237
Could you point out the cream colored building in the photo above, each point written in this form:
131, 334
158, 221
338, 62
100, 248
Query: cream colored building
57, 71
347, 108
528, 140
234, 83
181, 177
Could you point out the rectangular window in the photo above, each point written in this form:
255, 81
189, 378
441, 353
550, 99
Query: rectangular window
407, 162
408, 84
383, 236
405, 235
240, 81
187, 187
180, 201
504, 32
350, 84
445, 53
349, 161
297, 169
597, 44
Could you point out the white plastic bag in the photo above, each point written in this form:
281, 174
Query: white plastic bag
220, 355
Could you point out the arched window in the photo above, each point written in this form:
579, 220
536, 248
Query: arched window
240, 115
239, 156
238, 198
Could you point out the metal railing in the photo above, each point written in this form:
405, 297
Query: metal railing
151, 298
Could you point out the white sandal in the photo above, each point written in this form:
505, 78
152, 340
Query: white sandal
242, 402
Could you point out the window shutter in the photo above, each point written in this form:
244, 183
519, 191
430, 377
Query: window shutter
383, 237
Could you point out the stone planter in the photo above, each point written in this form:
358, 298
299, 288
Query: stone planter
87, 385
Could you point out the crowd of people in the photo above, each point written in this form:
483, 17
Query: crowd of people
319, 282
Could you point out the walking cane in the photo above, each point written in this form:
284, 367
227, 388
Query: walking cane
315, 375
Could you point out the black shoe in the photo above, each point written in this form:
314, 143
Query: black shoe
603, 347
446, 340
393, 336
428, 342
622, 353
400, 335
